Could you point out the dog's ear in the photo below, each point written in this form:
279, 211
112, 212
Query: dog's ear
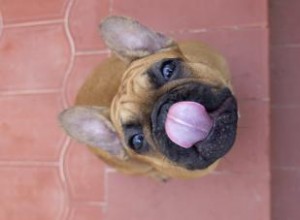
131, 40
92, 126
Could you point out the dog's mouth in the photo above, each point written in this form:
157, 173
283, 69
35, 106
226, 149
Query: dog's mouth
195, 124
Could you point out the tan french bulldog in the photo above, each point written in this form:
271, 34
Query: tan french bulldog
156, 107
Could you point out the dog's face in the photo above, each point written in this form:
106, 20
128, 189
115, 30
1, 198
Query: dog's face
160, 108
168, 108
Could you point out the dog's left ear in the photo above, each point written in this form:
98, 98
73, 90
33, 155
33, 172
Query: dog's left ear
92, 126
131, 40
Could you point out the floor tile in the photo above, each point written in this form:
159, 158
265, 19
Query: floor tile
29, 127
246, 51
285, 137
250, 153
286, 194
85, 174
254, 114
284, 22
285, 76
206, 198
15, 11
194, 14
33, 57
87, 212
30, 193
83, 66
84, 23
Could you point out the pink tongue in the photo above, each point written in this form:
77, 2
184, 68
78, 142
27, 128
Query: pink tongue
187, 123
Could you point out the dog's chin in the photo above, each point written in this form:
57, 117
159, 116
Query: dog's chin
222, 109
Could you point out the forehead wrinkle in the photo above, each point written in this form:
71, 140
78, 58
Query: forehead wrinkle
139, 87
132, 71
129, 112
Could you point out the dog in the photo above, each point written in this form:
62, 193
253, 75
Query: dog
155, 107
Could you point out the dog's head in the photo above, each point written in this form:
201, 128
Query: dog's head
170, 106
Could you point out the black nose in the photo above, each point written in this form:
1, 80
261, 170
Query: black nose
223, 134
220, 104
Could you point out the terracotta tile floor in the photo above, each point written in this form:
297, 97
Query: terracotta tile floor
47, 48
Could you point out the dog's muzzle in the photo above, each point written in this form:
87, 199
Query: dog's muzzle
215, 108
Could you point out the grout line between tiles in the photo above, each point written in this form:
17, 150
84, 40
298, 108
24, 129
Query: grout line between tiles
92, 52
67, 211
285, 106
29, 163
63, 177
72, 47
33, 23
29, 92
285, 45
65, 207
110, 170
286, 168
62, 159
89, 203
105, 202
110, 9
220, 28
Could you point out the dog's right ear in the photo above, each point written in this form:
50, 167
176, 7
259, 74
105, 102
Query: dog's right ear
131, 40
92, 126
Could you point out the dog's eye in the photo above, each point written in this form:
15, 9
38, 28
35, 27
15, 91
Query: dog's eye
168, 69
165, 70
137, 142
